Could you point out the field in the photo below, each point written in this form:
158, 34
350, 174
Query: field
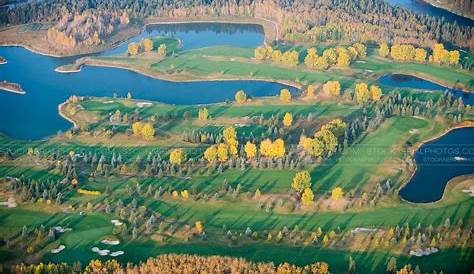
303, 177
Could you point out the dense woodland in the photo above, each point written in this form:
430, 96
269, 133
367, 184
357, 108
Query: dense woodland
174, 263
339, 21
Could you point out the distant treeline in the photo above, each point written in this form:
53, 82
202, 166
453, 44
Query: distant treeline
341, 21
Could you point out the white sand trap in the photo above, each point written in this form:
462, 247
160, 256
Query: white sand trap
60, 229
108, 102
103, 252
117, 253
110, 242
363, 229
58, 249
116, 222
144, 104
457, 158
470, 191
423, 252
95, 249
413, 130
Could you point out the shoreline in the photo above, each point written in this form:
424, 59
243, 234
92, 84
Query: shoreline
412, 155
170, 79
64, 116
426, 77
216, 20
456, 12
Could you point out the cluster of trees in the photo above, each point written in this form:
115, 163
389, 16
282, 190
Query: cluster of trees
88, 28
340, 57
146, 45
144, 130
176, 263
332, 87
288, 58
33, 190
326, 140
363, 93
406, 52
335, 21
225, 150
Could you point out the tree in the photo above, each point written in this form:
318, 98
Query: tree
362, 93
321, 63
438, 52
240, 97
454, 57
310, 91
147, 45
222, 152
133, 49
148, 131
161, 51
177, 156
137, 128
199, 227
310, 59
307, 197
384, 51
266, 148
285, 96
332, 87
337, 193
250, 150
375, 92
301, 181
288, 119
210, 154
361, 50
278, 148
352, 265
420, 55
343, 58
392, 265
327, 138
203, 114
260, 53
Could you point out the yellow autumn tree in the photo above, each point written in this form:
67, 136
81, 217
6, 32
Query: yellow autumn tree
438, 50
285, 96
343, 57
161, 51
278, 148
375, 93
454, 57
420, 55
337, 193
301, 181
133, 48
266, 148
250, 150
147, 45
240, 97
288, 119
307, 197
310, 91
332, 87
222, 152
384, 51
260, 53
148, 131
137, 128
177, 156
210, 154
203, 114
199, 227
361, 92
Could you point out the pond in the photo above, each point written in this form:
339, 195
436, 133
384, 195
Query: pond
438, 162
422, 7
408, 81
35, 115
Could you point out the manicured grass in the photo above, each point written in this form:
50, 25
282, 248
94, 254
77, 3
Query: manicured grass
362, 163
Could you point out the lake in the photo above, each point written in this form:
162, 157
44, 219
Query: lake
35, 115
438, 162
422, 7
408, 81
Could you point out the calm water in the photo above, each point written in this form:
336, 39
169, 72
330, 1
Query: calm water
439, 161
200, 35
427, 9
35, 115
407, 81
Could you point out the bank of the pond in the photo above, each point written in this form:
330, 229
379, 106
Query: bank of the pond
413, 153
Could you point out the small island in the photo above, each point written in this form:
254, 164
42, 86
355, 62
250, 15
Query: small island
11, 87
3, 60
